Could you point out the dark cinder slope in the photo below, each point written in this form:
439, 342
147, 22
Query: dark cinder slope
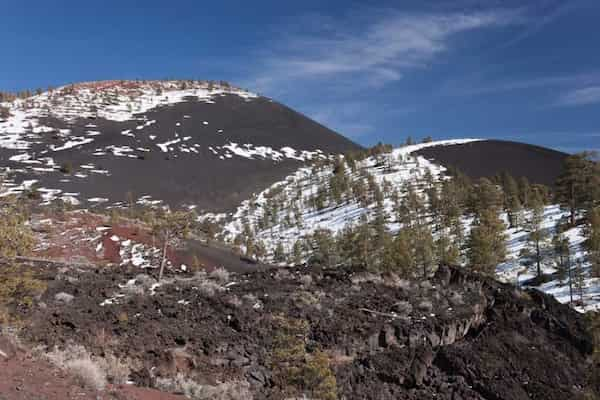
198, 169
491, 157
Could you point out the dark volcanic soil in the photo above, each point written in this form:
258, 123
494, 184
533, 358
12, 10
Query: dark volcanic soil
179, 177
491, 157
456, 336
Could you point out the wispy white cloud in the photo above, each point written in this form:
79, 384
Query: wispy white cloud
580, 97
542, 18
372, 51
326, 66
466, 87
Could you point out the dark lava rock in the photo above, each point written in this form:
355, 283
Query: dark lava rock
497, 342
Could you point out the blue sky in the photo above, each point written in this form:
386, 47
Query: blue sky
372, 70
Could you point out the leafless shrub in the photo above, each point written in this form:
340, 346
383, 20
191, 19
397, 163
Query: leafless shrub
250, 298
220, 274
105, 339
117, 370
234, 301
282, 274
306, 280
426, 285
306, 298
133, 289
200, 275
88, 372
393, 280
253, 301
365, 277
209, 288
63, 297
138, 286
402, 307
425, 306
456, 299
60, 357
144, 280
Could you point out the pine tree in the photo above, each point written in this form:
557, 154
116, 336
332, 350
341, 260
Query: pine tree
579, 281
512, 202
380, 222
325, 252
359, 191
411, 209
524, 191
577, 186
486, 195
487, 242
537, 233
451, 211
447, 251
338, 183
400, 254
561, 253
298, 252
259, 250
279, 255
362, 244
424, 248
592, 232
434, 205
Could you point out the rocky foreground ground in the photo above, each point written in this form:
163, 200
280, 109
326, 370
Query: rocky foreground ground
328, 334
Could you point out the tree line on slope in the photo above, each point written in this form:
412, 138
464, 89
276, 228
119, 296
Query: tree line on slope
431, 215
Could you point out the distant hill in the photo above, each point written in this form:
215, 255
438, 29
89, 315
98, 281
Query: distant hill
191, 143
487, 158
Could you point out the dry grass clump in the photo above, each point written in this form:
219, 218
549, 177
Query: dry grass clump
92, 371
76, 360
88, 372
234, 390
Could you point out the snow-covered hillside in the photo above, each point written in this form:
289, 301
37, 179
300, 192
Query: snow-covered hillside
110, 100
399, 168
78, 142
296, 217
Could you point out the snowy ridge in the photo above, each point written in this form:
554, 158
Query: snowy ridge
407, 150
399, 168
110, 100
